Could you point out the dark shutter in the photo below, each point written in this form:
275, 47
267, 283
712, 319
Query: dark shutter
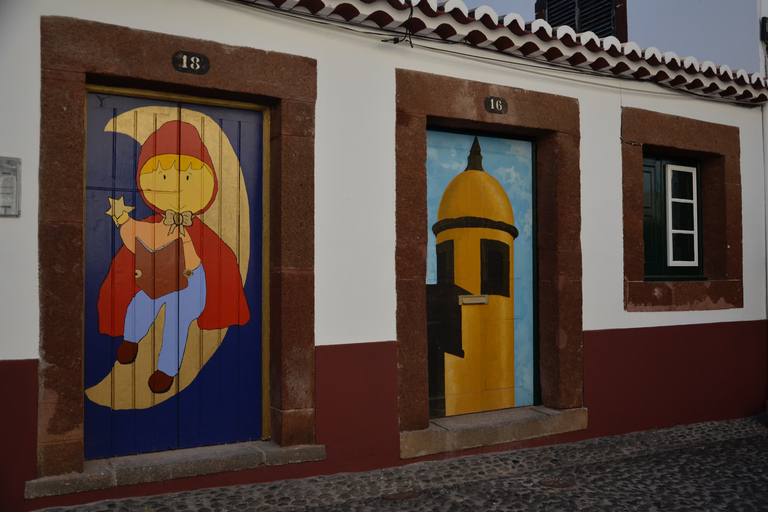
598, 16
561, 12
654, 218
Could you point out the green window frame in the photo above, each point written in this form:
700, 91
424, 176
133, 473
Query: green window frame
672, 227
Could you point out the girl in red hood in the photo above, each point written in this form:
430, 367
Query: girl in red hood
172, 258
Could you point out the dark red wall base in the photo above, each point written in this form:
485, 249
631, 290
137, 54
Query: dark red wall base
635, 379
357, 406
18, 430
639, 379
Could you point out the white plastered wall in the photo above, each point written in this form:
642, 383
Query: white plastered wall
355, 161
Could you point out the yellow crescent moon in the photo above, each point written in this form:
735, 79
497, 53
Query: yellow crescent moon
126, 385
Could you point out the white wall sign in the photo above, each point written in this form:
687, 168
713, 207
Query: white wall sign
10, 186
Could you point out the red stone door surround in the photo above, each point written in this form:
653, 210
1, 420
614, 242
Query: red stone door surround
77, 53
553, 122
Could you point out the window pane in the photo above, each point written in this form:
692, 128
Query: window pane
682, 185
682, 216
682, 247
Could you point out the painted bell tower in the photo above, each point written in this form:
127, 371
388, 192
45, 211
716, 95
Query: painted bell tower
472, 321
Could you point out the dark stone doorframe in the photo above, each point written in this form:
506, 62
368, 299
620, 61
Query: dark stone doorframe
553, 122
75, 53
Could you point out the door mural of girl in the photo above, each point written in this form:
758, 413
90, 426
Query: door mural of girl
176, 178
173, 275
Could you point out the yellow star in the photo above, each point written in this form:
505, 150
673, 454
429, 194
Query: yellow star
118, 209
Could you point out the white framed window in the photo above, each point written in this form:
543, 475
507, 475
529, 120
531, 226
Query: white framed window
682, 216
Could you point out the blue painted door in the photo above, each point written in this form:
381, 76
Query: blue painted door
173, 287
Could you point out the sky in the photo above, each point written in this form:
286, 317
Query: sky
522, 7
723, 31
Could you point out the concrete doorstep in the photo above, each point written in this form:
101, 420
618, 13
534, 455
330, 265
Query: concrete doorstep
156, 467
489, 428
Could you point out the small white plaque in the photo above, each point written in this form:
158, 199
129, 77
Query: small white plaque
10, 186
466, 300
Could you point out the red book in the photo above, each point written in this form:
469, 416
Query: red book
161, 271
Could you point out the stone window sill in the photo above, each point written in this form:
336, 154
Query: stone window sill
162, 466
489, 428
709, 295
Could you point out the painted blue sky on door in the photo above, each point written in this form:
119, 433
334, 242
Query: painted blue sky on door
510, 163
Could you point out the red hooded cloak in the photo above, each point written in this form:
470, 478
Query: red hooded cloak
225, 302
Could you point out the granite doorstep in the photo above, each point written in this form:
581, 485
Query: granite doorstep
162, 466
489, 428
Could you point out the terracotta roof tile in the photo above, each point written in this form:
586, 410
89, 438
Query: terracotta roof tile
483, 27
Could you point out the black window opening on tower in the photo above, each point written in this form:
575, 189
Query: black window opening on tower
603, 17
494, 263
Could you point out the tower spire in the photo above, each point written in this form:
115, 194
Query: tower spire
475, 158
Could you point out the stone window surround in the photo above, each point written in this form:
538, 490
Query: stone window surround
717, 148
76, 53
427, 100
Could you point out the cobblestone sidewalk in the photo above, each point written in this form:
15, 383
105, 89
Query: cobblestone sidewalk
709, 466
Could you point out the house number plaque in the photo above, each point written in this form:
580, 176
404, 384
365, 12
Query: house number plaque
496, 105
188, 62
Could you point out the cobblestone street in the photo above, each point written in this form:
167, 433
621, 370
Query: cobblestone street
709, 466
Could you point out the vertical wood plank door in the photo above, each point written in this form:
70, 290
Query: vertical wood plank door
481, 306
174, 283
